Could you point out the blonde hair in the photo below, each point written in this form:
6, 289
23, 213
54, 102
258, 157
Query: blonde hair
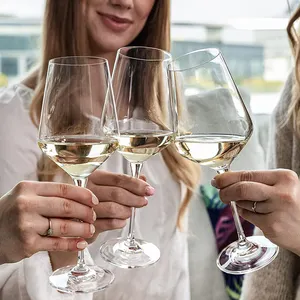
293, 115
64, 35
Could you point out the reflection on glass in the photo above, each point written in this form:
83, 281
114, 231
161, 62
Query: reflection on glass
78, 131
214, 126
147, 126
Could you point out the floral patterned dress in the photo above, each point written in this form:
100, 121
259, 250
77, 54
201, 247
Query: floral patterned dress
225, 232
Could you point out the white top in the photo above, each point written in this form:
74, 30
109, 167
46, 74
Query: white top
167, 279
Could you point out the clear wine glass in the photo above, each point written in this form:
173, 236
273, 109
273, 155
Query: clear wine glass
78, 130
147, 123
214, 126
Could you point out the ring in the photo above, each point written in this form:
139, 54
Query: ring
254, 206
49, 231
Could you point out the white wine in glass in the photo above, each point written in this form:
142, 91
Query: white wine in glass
147, 124
79, 131
78, 157
212, 150
137, 147
214, 126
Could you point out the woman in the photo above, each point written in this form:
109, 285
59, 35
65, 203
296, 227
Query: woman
270, 199
100, 27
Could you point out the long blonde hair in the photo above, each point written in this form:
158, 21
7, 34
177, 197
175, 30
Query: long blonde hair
65, 35
293, 116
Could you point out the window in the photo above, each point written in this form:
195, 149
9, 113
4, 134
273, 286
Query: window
9, 66
252, 37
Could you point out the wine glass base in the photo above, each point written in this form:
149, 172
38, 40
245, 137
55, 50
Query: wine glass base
95, 280
117, 252
234, 261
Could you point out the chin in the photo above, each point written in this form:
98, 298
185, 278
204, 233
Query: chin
111, 43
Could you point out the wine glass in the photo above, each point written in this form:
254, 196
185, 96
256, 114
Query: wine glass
78, 130
214, 126
147, 123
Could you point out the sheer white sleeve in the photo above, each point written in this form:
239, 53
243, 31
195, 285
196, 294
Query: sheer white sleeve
19, 152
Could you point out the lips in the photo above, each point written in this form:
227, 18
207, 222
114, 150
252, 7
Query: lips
115, 23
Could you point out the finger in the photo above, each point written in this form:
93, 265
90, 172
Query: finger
269, 177
109, 224
113, 210
252, 191
118, 195
64, 208
67, 191
60, 244
262, 207
143, 177
133, 185
253, 218
69, 228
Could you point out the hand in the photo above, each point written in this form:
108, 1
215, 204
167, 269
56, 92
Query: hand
277, 196
117, 194
25, 213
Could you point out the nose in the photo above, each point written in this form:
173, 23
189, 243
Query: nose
127, 4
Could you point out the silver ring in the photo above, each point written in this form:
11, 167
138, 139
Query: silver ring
254, 206
49, 231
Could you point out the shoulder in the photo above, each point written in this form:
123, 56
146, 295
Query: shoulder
17, 95
14, 111
14, 105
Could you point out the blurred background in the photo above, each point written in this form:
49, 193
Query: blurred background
251, 35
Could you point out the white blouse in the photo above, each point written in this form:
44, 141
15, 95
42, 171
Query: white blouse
168, 279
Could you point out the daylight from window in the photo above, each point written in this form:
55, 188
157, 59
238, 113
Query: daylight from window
252, 38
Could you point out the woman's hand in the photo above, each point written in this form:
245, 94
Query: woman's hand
24, 219
117, 194
268, 199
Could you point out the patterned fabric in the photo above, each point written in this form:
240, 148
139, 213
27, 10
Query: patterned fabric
225, 232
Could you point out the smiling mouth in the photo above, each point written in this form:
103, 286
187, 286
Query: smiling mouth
115, 23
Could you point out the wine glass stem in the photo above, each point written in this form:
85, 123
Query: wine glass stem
242, 241
135, 170
80, 267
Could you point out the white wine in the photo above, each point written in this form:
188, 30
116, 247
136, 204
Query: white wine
215, 151
137, 147
78, 157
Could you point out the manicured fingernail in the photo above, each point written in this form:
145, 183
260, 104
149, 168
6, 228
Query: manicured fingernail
94, 216
149, 190
213, 183
82, 245
92, 228
146, 200
95, 200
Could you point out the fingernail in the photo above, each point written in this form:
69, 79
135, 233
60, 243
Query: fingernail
95, 200
149, 190
146, 199
213, 183
94, 216
82, 245
92, 228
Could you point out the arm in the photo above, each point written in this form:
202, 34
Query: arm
19, 153
270, 189
276, 281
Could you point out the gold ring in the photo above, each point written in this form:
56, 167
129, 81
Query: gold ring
254, 206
